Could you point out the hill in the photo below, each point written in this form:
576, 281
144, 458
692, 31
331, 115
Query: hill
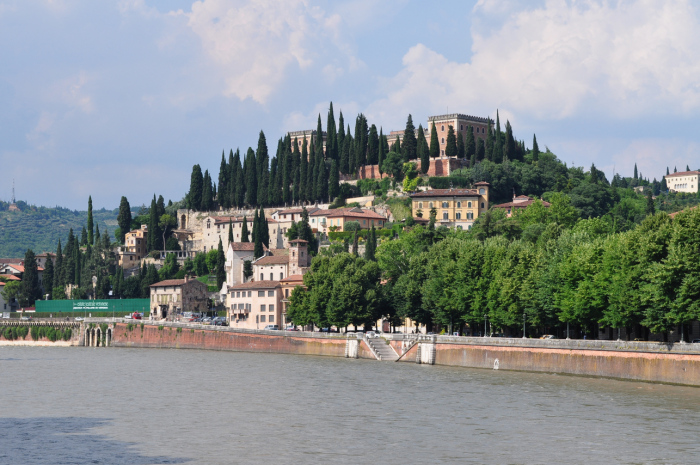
39, 228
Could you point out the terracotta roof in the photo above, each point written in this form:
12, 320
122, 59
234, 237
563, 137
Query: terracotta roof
354, 214
20, 268
298, 241
272, 260
447, 193
295, 210
279, 252
420, 220
683, 173
672, 215
322, 212
46, 254
295, 278
10, 277
173, 282
234, 219
256, 285
242, 246
9, 261
482, 183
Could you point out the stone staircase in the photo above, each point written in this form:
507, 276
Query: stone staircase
381, 349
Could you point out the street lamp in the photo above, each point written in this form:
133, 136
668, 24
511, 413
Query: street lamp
94, 284
523, 325
485, 317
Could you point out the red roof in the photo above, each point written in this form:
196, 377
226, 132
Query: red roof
683, 173
175, 282
672, 215
295, 278
10, 277
242, 246
298, 241
256, 285
447, 193
355, 214
273, 260
292, 211
520, 204
20, 268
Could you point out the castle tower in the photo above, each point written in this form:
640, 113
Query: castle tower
298, 256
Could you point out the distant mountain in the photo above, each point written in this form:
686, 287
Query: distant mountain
39, 228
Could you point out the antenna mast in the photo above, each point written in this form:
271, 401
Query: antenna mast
13, 191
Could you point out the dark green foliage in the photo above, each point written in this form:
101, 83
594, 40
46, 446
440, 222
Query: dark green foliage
422, 151
461, 149
30, 290
451, 146
332, 137
409, 145
334, 181
535, 148
194, 196
90, 225
636, 176
48, 276
373, 146
244, 231
434, 143
302, 230
251, 178
230, 231
220, 265
247, 269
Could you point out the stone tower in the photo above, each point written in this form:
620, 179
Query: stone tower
298, 256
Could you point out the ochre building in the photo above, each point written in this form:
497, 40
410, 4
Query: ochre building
456, 208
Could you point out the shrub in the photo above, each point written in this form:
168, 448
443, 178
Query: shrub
8, 334
67, 334
35, 333
160, 328
179, 330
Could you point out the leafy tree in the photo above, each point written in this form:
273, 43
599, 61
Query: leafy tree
11, 291
200, 264
302, 230
166, 224
393, 165
650, 209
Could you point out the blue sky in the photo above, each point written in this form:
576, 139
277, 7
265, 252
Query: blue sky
122, 98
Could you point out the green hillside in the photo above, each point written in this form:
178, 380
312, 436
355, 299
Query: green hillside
39, 228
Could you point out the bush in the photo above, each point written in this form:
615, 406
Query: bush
362, 234
35, 333
67, 334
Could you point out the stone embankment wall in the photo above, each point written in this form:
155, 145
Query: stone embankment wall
55, 323
644, 361
182, 336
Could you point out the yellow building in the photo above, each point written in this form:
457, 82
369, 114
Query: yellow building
685, 181
134, 247
456, 208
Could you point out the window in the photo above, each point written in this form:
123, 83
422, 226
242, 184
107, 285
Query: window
238, 294
420, 204
431, 204
272, 309
270, 293
241, 306
470, 216
461, 127
208, 224
262, 308
250, 293
261, 277
443, 140
459, 204
281, 275
286, 292
262, 318
445, 204
482, 191
261, 293
469, 205
482, 204
442, 152
459, 216
442, 128
444, 215
271, 278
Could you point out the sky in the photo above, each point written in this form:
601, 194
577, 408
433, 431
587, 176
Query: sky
124, 97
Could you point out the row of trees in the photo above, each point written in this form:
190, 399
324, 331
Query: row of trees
573, 271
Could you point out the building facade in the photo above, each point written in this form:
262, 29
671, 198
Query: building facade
685, 181
338, 219
134, 249
455, 208
172, 297
461, 124
519, 203
254, 305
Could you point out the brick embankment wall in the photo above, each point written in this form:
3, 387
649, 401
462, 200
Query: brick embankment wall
152, 336
677, 368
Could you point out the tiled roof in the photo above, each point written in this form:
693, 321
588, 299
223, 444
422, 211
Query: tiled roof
295, 278
672, 215
20, 268
242, 246
683, 173
295, 211
9, 261
256, 285
279, 252
46, 254
446, 193
354, 214
273, 260
520, 204
298, 241
10, 277
173, 282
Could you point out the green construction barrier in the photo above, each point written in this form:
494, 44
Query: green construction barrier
119, 307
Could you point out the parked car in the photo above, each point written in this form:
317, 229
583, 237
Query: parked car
371, 334
206, 320
696, 341
548, 336
219, 321
79, 318
136, 316
290, 328
272, 328
127, 317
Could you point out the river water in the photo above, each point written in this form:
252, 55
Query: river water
149, 406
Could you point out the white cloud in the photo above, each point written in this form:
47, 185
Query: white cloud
565, 58
255, 42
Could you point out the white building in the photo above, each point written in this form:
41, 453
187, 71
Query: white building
685, 181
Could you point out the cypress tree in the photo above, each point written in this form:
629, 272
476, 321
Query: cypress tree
408, 147
83, 237
58, 269
239, 191
319, 176
497, 155
310, 175
286, 175
303, 169
361, 136
263, 167
124, 219
687, 167
488, 152
382, 152
296, 168
675, 170
461, 149
275, 184
90, 226
667, 173
397, 146
231, 183
48, 275
470, 144
331, 137
230, 231
422, 150
373, 146
651, 209
264, 230
535, 149
29, 290
509, 151
257, 240
319, 138
480, 149
451, 147
345, 156
244, 231
207, 194
194, 196
334, 181
635, 172
223, 182
434, 144
152, 225
251, 179
341, 133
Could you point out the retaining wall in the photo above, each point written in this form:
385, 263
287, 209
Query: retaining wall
221, 338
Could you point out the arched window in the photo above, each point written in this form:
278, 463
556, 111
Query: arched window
431, 204
459, 216
281, 276
445, 205
208, 224
443, 140
442, 128
459, 227
469, 205
420, 204
461, 127
482, 205
444, 216
459, 204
